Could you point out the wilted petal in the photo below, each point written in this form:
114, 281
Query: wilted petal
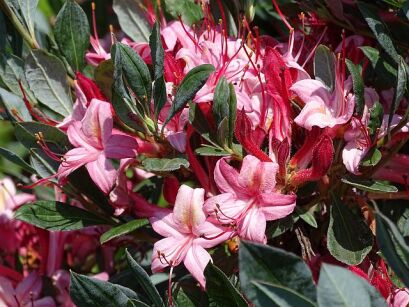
102, 173
196, 261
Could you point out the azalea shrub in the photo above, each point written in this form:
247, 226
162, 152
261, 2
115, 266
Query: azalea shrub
196, 152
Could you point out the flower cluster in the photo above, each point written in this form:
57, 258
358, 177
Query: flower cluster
188, 138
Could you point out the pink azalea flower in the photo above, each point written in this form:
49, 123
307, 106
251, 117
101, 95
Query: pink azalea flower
25, 294
399, 298
249, 198
187, 234
324, 108
95, 143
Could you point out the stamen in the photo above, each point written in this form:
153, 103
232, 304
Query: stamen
94, 21
282, 15
188, 34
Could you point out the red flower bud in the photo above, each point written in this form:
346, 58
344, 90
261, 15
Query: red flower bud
170, 189
90, 89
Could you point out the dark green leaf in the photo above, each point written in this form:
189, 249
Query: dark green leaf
72, 33
158, 56
272, 265
12, 157
28, 10
223, 132
189, 10
190, 85
324, 66
393, 247
375, 119
358, 84
402, 79
370, 185
164, 165
379, 29
349, 238
221, 98
15, 106
104, 77
232, 113
132, 19
144, 281
86, 291
340, 287
275, 295
220, 289
198, 120
53, 216
44, 166
47, 78
122, 230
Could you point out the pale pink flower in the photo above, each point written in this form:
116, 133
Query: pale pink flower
25, 294
249, 198
187, 234
399, 298
95, 143
324, 108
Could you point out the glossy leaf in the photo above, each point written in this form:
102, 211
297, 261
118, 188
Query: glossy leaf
132, 19
190, 85
164, 165
72, 33
340, 287
14, 158
54, 216
220, 290
47, 78
272, 265
349, 239
393, 247
401, 88
324, 66
220, 105
87, 291
15, 106
232, 113
123, 229
371, 186
143, 280
275, 295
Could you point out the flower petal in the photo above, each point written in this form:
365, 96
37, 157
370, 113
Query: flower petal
226, 178
102, 173
276, 206
253, 226
196, 261
120, 147
97, 123
171, 250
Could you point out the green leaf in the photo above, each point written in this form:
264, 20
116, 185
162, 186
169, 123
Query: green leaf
44, 166
307, 217
164, 165
349, 238
211, 151
232, 113
28, 10
402, 79
47, 78
12, 157
358, 85
53, 216
324, 66
135, 71
104, 77
190, 12
142, 278
15, 106
132, 19
373, 158
223, 132
220, 105
375, 118
393, 247
275, 295
86, 291
272, 265
190, 85
72, 33
379, 29
220, 290
122, 230
198, 120
278, 227
340, 287
370, 185
158, 56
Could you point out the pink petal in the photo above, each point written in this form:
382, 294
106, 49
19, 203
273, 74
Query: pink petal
226, 178
315, 113
7, 293
77, 137
257, 176
29, 288
276, 206
97, 123
212, 235
163, 223
74, 159
253, 226
229, 205
102, 173
352, 156
174, 250
120, 147
23, 198
196, 261
178, 141
188, 211
44, 302
309, 90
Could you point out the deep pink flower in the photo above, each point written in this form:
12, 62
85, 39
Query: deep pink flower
187, 234
95, 143
249, 198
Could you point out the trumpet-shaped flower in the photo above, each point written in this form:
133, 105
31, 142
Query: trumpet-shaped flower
187, 234
249, 198
96, 143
